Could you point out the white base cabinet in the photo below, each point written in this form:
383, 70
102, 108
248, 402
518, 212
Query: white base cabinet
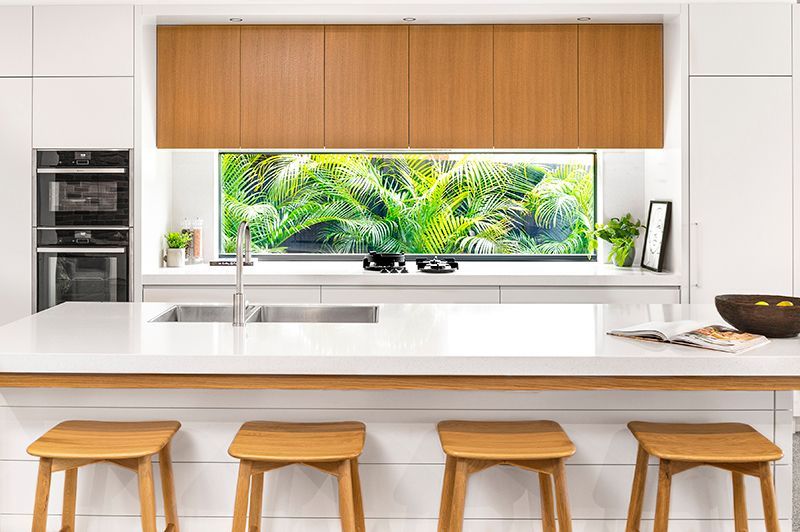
16, 269
740, 186
410, 294
590, 294
224, 294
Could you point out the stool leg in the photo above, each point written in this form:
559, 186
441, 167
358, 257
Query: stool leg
358, 500
70, 493
637, 492
42, 495
242, 492
459, 495
768, 497
147, 494
739, 503
562, 502
256, 501
446, 505
662, 500
546, 496
168, 488
346, 503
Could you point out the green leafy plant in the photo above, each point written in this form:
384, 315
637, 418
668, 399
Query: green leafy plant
414, 203
176, 240
621, 233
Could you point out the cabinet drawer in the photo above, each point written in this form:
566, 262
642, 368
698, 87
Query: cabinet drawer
574, 294
409, 294
224, 294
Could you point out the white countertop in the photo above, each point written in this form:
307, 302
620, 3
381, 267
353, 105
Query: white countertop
475, 273
535, 340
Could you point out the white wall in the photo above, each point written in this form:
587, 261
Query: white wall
195, 193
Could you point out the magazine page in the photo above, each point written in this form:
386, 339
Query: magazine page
658, 330
720, 338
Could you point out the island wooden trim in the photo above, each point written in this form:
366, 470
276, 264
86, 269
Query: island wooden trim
395, 382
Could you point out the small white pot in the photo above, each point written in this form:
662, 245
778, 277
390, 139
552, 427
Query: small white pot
176, 258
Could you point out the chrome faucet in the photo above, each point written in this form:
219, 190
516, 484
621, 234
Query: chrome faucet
242, 256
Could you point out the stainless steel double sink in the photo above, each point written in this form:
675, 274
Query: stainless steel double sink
270, 314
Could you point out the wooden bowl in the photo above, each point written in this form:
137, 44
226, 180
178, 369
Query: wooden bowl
772, 321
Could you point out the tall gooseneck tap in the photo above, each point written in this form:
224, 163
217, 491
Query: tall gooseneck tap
242, 256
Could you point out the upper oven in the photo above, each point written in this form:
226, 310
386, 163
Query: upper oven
83, 189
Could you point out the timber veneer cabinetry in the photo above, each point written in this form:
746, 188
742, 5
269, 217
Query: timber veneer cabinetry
424, 87
199, 87
536, 86
366, 86
450, 88
620, 86
283, 86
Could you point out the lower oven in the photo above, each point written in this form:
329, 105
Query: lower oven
82, 265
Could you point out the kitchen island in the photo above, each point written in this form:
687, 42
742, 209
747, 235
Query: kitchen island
416, 365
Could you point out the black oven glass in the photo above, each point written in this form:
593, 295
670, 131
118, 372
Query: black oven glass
73, 194
81, 265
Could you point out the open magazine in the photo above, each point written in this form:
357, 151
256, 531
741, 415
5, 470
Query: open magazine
695, 334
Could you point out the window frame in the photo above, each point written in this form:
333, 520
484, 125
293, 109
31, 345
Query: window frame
461, 257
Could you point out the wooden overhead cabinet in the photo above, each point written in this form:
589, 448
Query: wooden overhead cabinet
621, 86
536, 86
198, 87
282, 86
450, 93
366, 86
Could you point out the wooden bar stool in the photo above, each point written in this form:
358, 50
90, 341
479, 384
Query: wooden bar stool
734, 447
73, 444
262, 446
471, 446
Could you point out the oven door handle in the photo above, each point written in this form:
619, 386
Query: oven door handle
81, 250
81, 170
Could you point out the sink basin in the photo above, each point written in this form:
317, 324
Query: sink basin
313, 314
199, 314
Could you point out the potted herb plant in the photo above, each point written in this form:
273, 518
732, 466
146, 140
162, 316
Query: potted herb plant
176, 248
621, 233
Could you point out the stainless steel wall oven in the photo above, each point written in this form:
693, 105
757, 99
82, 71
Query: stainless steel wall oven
83, 226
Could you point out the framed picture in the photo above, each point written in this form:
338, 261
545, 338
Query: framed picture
655, 239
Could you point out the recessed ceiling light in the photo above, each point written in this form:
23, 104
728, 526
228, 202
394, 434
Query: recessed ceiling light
584, 19
235, 19
409, 19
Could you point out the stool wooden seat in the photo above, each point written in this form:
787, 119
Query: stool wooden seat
734, 447
472, 446
262, 446
132, 445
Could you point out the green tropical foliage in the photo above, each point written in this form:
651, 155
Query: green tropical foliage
414, 203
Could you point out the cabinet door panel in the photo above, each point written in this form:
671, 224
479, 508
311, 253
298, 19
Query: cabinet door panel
536, 86
620, 86
89, 113
15, 201
366, 86
16, 40
198, 87
409, 294
740, 39
88, 40
450, 93
590, 294
282, 86
740, 175
223, 294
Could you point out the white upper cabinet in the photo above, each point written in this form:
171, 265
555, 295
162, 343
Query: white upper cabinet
16, 40
88, 113
740, 39
740, 175
90, 40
